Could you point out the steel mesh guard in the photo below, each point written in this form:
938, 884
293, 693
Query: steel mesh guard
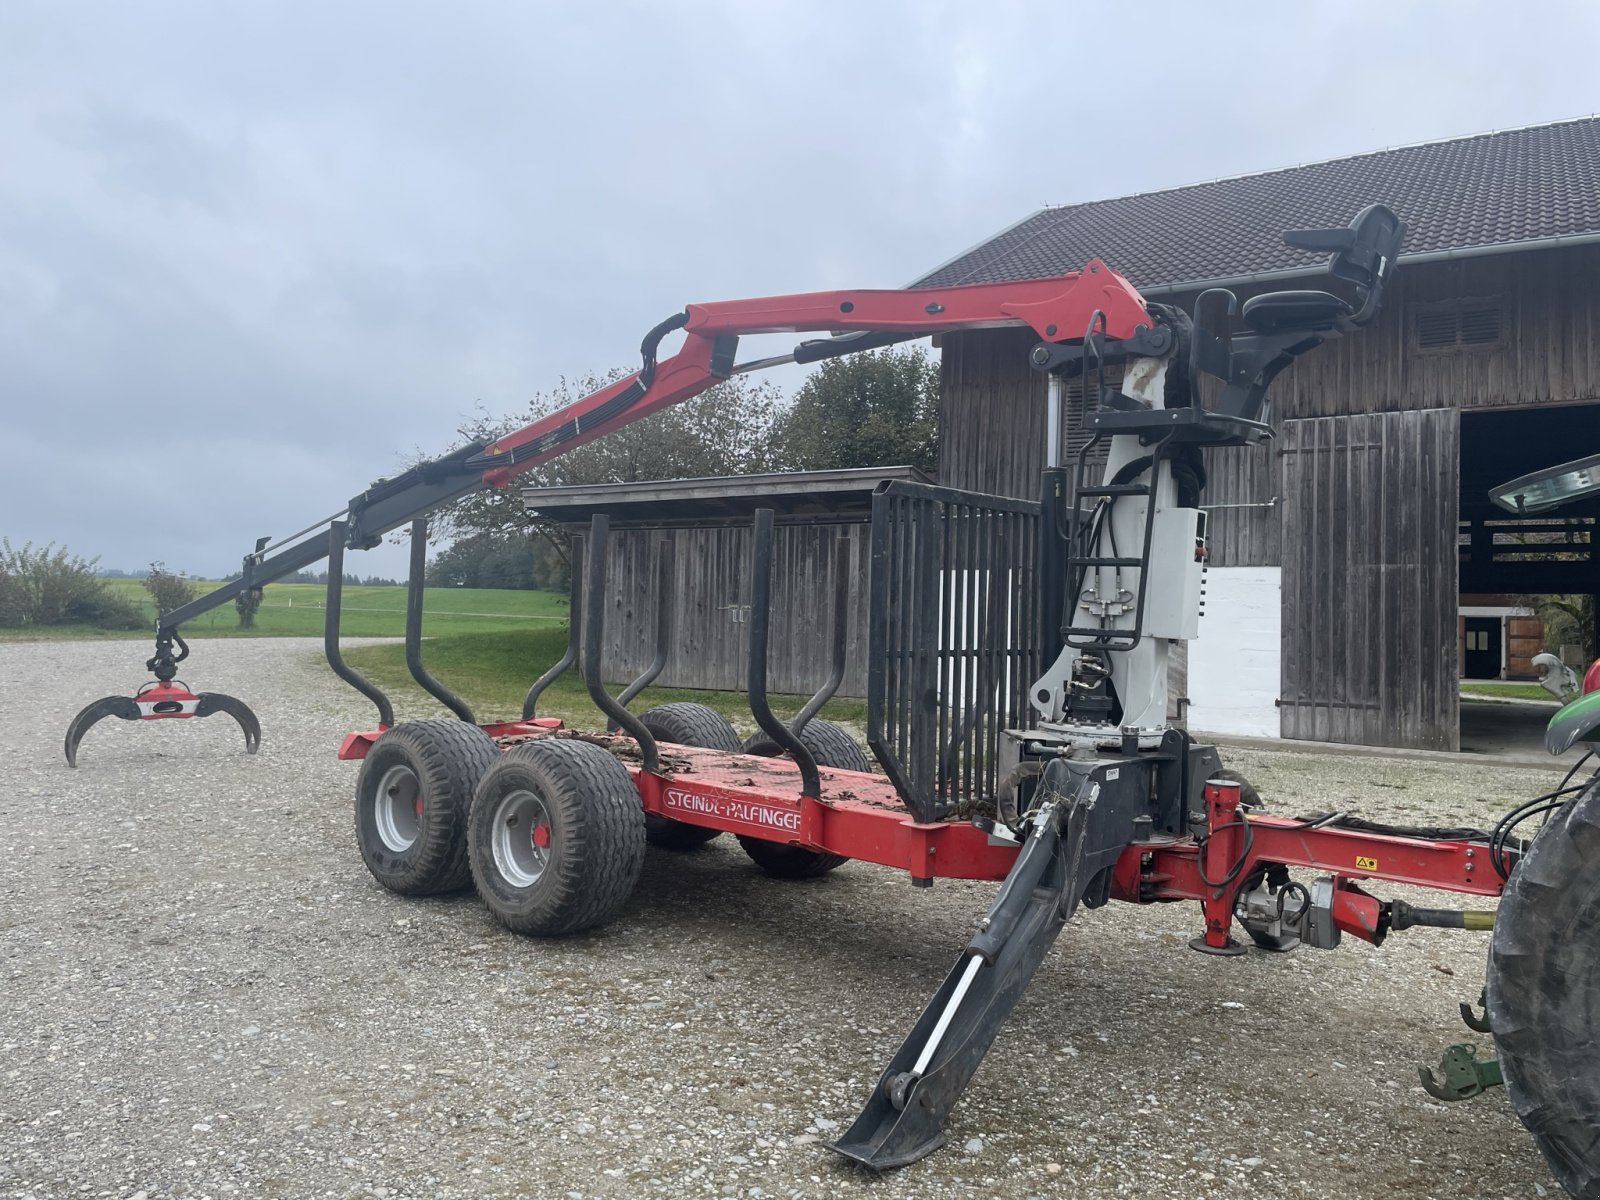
953, 639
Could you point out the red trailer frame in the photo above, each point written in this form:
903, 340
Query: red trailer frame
860, 816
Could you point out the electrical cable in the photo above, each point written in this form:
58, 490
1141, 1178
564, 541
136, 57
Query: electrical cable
1501, 837
1244, 854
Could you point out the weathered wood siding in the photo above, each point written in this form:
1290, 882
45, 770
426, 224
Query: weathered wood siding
1369, 519
991, 414
993, 435
1548, 352
710, 639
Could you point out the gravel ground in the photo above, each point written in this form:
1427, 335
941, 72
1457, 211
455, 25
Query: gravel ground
203, 993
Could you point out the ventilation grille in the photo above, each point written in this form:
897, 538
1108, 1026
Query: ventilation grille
1466, 325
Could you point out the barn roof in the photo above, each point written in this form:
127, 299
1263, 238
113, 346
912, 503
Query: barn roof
1468, 195
844, 494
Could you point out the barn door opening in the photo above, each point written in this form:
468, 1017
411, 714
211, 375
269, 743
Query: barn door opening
1369, 579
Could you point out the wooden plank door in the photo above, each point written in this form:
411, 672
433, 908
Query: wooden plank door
1370, 579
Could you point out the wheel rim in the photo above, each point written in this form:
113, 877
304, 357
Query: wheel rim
521, 838
397, 808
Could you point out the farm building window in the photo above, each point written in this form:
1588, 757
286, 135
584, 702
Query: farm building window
1457, 325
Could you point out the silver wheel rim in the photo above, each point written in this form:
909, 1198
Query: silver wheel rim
397, 808
521, 839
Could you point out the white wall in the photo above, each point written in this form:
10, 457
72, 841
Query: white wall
1233, 664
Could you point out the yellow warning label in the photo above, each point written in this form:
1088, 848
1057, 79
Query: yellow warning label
1364, 863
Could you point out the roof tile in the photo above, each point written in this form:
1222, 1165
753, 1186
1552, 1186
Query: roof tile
1468, 193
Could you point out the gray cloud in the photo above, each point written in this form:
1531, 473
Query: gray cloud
251, 256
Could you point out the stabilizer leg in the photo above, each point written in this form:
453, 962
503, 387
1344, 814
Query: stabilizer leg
903, 1121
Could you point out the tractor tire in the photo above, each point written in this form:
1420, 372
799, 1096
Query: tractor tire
412, 800
1544, 992
556, 838
832, 747
686, 725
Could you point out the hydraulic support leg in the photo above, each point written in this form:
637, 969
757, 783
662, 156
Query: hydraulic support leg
1075, 826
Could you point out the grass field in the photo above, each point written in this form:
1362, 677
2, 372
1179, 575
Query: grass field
492, 671
1506, 691
295, 610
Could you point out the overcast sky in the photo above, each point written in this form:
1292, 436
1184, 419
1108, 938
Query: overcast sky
252, 256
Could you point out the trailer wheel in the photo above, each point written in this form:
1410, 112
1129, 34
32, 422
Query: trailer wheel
412, 800
686, 725
1544, 992
556, 837
832, 747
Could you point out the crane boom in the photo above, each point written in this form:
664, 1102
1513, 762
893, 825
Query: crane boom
1060, 309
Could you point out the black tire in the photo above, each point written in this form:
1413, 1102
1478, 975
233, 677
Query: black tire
429, 768
832, 747
1248, 796
584, 870
1544, 993
686, 725
829, 744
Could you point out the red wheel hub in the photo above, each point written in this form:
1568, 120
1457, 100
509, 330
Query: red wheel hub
541, 836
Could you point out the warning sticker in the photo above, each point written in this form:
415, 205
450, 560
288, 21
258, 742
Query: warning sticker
761, 816
1363, 863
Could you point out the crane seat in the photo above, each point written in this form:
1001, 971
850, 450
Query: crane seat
1274, 312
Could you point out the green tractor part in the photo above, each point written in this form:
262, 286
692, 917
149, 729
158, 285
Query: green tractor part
1465, 1075
1574, 722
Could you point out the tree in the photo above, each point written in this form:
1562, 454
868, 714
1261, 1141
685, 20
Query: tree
725, 431
1568, 620
246, 603
874, 409
167, 589
49, 586
498, 561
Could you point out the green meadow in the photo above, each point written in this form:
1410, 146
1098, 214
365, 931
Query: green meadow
296, 610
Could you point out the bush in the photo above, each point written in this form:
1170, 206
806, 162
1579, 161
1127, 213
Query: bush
169, 591
104, 609
13, 607
246, 602
48, 586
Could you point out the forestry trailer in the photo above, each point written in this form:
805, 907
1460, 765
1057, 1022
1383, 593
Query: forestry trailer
1017, 703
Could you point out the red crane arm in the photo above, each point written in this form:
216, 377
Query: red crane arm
1058, 309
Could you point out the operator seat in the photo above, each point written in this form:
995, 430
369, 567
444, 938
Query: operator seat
1274, 312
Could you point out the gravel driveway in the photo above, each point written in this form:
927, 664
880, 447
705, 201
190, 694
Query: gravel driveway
203, 993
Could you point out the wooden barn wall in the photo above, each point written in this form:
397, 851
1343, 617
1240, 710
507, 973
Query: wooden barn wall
993, 405
991, 414
711, 597
1548, 353
1369, 655
993, 432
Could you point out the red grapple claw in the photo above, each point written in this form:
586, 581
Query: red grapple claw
160, 701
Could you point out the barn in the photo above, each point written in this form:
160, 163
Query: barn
1358, 567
